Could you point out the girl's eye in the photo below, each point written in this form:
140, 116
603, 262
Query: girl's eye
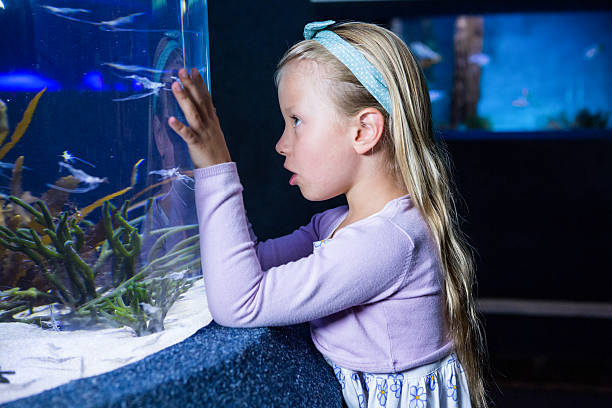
296, 121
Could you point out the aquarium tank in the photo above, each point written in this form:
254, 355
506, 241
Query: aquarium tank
527, 74
97, 222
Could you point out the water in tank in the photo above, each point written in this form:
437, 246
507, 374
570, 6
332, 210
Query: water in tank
527, 74
97, 223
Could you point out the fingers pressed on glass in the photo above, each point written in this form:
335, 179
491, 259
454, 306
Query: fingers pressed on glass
188, 107
183, 131
197, 79
195, 87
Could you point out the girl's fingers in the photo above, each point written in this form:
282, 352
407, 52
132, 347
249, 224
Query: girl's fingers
201, 90
196, 89
188, 107
186, 133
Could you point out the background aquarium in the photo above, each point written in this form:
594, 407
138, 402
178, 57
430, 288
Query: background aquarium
96, 189
515, 72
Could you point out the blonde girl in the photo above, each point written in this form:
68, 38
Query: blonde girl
386, 281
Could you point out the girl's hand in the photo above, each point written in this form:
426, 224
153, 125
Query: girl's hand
203, 136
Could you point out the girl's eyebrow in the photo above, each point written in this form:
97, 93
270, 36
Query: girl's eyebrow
289, 108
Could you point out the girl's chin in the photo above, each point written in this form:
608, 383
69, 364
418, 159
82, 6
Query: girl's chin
314, 195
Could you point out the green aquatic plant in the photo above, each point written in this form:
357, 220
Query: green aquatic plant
478, 123
584, 119
587, 120
137, 295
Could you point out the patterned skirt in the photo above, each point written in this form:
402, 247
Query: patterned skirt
440, 384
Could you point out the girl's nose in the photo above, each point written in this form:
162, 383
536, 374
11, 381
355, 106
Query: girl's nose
281, 145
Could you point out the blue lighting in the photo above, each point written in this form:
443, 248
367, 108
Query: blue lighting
25, 82
93, 81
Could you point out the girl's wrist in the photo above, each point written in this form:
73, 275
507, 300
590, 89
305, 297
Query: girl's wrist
203, 159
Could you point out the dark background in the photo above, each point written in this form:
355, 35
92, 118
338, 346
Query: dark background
537, 207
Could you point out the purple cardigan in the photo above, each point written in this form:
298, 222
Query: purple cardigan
372, 293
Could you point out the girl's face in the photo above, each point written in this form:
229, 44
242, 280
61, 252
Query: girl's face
317, 138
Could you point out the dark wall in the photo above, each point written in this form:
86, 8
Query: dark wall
538, 214
537, 211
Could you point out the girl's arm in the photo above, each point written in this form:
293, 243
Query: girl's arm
364, 266
290, 247
360, 265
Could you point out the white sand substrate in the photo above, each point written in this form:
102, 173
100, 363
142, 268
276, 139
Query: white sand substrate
44, 358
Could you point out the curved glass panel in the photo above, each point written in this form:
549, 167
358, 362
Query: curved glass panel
97, 223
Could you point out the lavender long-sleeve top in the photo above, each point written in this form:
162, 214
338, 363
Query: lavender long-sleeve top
372, 293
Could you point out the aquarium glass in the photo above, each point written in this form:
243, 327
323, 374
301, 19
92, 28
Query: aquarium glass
96, 190
519, 72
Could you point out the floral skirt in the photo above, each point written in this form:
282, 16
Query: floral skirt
437, 385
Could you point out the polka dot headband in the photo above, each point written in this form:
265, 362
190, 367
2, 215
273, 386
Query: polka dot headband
354, 60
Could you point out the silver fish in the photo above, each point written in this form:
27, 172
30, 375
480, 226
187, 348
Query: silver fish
109, 25
91, 181
479, 59
120, 20
133, 68
422, 51
64, 10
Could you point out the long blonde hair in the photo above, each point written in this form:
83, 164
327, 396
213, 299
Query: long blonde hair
416, 160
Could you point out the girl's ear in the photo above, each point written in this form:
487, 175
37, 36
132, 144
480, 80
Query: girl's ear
370, 130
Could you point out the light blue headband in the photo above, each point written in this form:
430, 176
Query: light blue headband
354, 60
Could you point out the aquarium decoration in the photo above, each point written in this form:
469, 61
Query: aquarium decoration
101, 283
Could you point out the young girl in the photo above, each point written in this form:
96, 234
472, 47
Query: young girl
385, 282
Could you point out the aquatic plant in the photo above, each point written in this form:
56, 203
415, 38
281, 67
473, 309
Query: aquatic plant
62, 257
22, 126
137, 295
584, 119
587, 120
67, 238
478, 123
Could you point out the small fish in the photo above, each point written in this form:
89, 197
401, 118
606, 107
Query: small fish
2, 5
133, 68
137, 96
521, 101
120, 20
479, 59
146, 83
8, 166
168, 173
91, 181
65, 10
174, 173
593, 50
435, 95
69, 158
423, 52
109, 25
